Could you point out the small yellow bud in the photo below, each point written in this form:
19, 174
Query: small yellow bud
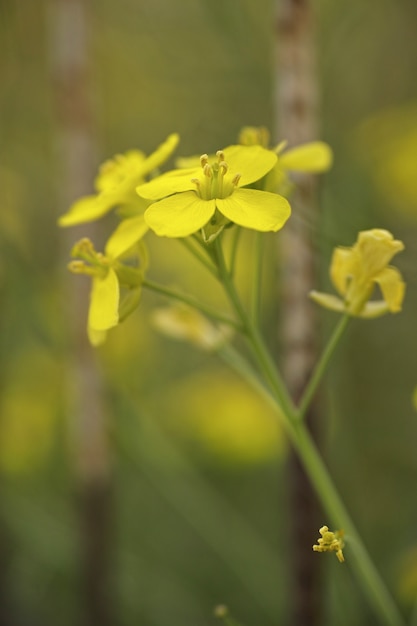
330, 542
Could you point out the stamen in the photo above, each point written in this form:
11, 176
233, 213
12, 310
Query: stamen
208, 170
220, 155
203, 160
223, 167
196, 181
236, 178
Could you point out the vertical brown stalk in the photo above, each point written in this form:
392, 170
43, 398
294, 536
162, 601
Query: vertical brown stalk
68, 27
296, 121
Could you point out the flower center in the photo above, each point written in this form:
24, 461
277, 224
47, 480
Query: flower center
216, 181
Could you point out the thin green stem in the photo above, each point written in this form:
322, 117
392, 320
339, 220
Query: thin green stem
256, 278
253, 336
189, 245
235, 244
193, 302
321, 366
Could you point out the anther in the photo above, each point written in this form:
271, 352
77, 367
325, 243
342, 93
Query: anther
236, 178
220, 155
208, 170
224, 167
203, 160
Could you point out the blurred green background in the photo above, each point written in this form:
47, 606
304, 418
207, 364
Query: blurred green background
196, 463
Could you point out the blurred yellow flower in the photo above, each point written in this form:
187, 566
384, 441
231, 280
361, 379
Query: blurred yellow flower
355, 271
115, 185
180, 321
210, 196
314, 157
107, 275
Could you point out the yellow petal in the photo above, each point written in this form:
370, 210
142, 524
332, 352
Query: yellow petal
161, 154
255, 209
342, 268
392, 287
169, 183
180, 215
86, 209
104, 302
373, 309
128, 232
251, 162
376, 248
328, 301
312, 157
96, 337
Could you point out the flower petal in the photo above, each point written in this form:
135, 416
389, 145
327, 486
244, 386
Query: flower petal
255, 209
180, 215
161, 154
392, 287
251, 162
96, 337
328, 301
342, 268
373, 309
87, 209
316, 156
376, 248
169, 183
128, 232
104, 303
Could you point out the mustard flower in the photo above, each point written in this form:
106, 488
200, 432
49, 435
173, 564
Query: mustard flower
108, 275
330, 542
212, 195
180, 321
355, 271
115, 186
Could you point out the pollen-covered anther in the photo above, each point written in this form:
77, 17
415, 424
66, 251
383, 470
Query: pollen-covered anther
223, 167
208, 170
203, 160
236, 178
196, 182
220, 156
77, 267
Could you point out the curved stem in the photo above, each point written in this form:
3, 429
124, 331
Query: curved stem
321, 366
191, 301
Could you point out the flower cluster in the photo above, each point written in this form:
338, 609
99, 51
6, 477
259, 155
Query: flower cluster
236, 186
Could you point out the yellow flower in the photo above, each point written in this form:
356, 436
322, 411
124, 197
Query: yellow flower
355, 271
313, 157
210, 196
330, 542
115, 185
108, 274
180, 321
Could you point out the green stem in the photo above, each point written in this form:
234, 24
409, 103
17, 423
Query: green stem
256, 278
252, 334
235, 244
301, 439
321, 366
191, 301
188, 244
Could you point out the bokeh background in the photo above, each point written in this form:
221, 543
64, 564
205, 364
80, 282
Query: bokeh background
190, 485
